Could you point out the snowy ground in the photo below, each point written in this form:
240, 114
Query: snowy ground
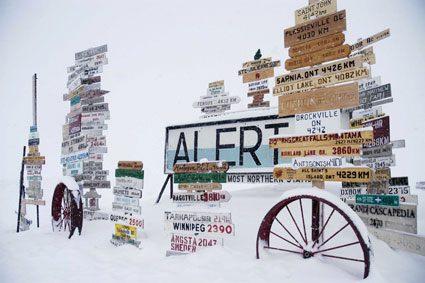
39, 255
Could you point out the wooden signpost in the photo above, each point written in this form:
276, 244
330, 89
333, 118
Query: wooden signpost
317, 9
127, 192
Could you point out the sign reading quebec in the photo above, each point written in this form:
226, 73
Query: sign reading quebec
243, 143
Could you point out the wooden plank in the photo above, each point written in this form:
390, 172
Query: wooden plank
343, 96
316, 82
326, 69
370, 40
263, 91
259, 67
326, 42
318, 57
344, 150
138, 165
261, 104
256, 62
353, 137
201, 167
258, 75
34, 201
34, 160
216, 84
127, 192
314, 29
337, 174
199, 186
317, 9
91, 52
138, 174
399, 240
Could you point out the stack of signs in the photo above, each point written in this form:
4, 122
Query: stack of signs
84, 142
33, 165
315, 84
256, 74
216, 102
126, 207
197, 220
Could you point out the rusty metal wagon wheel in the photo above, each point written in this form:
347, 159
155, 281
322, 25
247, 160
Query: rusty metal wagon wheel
61, 208
313, 226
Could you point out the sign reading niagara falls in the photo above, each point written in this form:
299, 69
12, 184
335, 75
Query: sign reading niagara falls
243, 143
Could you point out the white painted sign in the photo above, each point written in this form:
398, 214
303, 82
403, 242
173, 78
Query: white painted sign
366, 84
317, 162
126, 208
127, 192
318, 122
126, 200
220, 100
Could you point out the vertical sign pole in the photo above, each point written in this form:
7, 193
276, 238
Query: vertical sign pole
34, 121
171, 185
21, 189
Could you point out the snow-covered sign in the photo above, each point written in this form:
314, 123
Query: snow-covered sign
243, 143
318, 122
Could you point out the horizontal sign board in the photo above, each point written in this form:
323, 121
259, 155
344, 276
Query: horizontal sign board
377, 162
138, 174
258, 85
257, 178
389, 200
318, 57
381, 131
377, 151
256, 62
369, 83
347, 174
102, 107
399, 181
126, 200
330, 41
402, 218
317, 162
210, 197
199, 186
137, 165
201, 167
200, 178
220, 100
97, 184
127, 220
32, 142
336, 78
399, 240
323, 70
76, 156
375, 94
127, 192
370, 40
343, 96
258, 67
398, 190
314, 29
367, 113
338, 150
34, 202
318, 122
129, 182
91, 52
353, 137
196, 216
317, 9
184, 244
350, 193
127, 208
258, 75
34, 160
369, 105
125, 231
243, 143
34, 178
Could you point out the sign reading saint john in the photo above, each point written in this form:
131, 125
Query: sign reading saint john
242, 142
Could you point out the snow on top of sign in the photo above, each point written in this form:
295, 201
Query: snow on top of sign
334, 132
336, 201
69, 182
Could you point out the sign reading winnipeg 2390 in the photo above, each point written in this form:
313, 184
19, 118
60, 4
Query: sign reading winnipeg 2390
243, 143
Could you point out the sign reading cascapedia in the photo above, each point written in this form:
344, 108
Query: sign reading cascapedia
243, 143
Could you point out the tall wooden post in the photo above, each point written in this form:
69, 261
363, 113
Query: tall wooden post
34, 122
21, 189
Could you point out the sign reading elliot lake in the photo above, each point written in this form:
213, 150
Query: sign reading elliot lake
243, 143
314, 29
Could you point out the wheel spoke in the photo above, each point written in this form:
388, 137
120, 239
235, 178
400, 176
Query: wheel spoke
337, 247
302, 216
288, 231
344, 258
295, 222
323, 228
298, 246
283, 250
336, 233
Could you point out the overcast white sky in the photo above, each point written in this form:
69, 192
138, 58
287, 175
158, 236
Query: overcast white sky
162, 54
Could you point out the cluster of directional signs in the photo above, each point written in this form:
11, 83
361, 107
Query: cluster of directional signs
198, 220
84, 142
129, 178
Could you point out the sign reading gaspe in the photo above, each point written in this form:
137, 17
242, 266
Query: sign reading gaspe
344, 96
347, 174
314, 29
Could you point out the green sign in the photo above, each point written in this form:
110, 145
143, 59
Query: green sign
200, 178
139, 174
389, 200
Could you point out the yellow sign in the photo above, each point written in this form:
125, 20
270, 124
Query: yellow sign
125, 231
333, 174
340, 150
34, 160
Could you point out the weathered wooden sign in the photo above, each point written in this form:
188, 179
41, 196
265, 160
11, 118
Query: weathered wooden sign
343, 96
326, 42
34, 201
317, 162
258, 67
339, 150
370, 40
258, 75
322, 70
216, 101
138, 174
34, 160
353, 137
200, 186
137, 165
377, 151
336, 78
129, 182
314, 58
127, 192
318, 9
376, 162
389, 200
339, 174
97, 184
314, 29
201, 167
